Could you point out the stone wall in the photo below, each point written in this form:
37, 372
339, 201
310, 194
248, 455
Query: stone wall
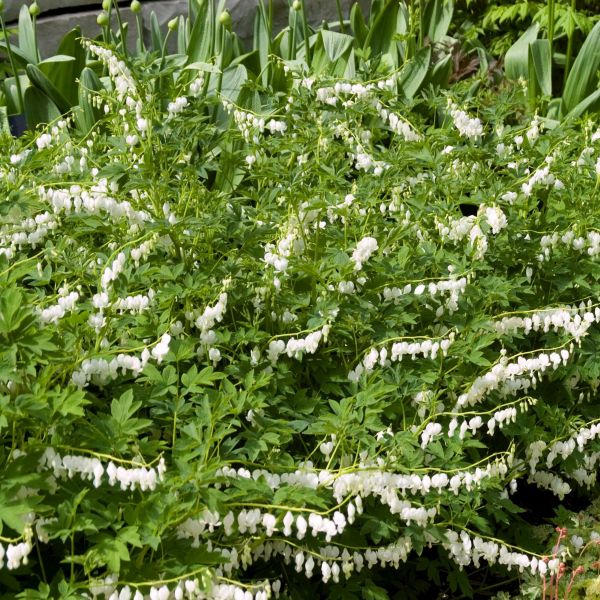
59, 16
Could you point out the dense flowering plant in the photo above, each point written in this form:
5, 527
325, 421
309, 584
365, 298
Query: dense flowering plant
252, 349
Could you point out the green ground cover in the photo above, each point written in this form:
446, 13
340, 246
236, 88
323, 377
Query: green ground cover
310, 321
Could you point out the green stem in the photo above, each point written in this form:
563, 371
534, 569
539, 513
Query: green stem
35, 38
221, 62
292, 48
158, 82
121, 30
551, 27
11, 59
569, 45
43, 570
340, 16
72, 575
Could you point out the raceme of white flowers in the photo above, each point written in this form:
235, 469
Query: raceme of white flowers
101, 370
510, 377
67, 302
363, 251
384, 357
296, 347
96, 200
586, 244
187, 589
92, 469
453, 288
574, 321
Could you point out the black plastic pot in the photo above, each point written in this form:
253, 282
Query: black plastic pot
17, 124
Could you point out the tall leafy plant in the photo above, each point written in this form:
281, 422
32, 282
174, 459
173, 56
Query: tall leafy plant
533, 60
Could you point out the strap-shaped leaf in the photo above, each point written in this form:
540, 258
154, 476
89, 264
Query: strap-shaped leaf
155, 33
539, 54
414, 72
27, 35
358, 24
182, 36
40, 81
437, 17
589, 104
64, 69
262, 39
86, 114
201, 43
381, 34
39, 108
516, 61
20, 57
583, 77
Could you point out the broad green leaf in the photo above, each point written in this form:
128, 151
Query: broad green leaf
202, 66
440, 73
201, 42
516, 62
64, 68
57, 58
26, 33
233, 80
437, 18
87, 113
331, 53
583, 77
589, 104
539, 53
414, 72
336, 44
157, 40
381, 33
261, 41
13, 104
21, 58
358, 24
42, 83
182, 36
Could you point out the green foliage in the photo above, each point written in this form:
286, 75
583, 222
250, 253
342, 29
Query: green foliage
293, 321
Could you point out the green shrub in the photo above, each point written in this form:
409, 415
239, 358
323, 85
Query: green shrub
243, 344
